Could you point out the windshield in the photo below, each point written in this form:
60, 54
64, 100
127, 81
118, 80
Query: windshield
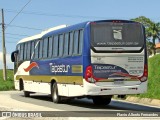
117, 36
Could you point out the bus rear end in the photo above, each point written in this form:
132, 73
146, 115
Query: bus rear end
118, 59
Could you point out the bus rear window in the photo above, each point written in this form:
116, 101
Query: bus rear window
117, 36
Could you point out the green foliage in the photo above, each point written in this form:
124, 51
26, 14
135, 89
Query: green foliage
9, 83
145, 21
152, 30
150, 47
153, 78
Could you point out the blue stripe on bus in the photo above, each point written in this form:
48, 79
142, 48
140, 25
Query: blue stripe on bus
59, 66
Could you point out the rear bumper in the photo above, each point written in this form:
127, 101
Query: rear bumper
92, 89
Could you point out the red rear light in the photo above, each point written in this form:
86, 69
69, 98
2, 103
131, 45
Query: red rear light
88, 73
143, 78
89, 77
145, 71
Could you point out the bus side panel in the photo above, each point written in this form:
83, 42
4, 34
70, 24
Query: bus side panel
86, 49
40, 87
19, 73
37, 75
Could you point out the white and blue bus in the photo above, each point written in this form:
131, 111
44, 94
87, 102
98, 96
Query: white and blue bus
94, 59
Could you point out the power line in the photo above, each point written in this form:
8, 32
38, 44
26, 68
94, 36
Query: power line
17, 34
19, 12
9, 42
12, 37
24, 27
56, 15
64, 15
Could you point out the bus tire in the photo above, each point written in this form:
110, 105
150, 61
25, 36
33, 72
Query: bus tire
98, 100
54, 93
26, 94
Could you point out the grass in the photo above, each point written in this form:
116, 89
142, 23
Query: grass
9, 83
153, 78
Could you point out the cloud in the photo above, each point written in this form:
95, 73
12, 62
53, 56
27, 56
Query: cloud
9, 64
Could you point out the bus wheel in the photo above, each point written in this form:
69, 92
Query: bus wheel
55, 97
98, 100
26, 93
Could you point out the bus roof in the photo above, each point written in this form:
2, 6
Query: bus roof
66, 29
38, 36
62, 29
54, 30
79, 26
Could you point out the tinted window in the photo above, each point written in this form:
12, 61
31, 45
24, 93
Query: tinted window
40, 48
45, 48
55, 46
18, 48
60, 45
117, 35
21, 51
25, 51
66, 45
32, 49
70, 43
50, 49
75, 43
36, 49
28, 50
80, 42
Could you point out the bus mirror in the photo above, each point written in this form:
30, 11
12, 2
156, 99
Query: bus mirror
14, 56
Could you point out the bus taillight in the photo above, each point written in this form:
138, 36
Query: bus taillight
145, 74
89, 75
145, 71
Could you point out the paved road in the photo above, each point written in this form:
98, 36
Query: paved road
14, 100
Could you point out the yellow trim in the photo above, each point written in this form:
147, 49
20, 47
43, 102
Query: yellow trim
77, 68
59, 79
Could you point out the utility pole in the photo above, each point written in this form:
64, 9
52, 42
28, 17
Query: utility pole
3, 48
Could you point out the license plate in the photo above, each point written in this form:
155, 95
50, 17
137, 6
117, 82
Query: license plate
119, 81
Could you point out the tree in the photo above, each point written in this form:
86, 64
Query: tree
150, 47
152, 30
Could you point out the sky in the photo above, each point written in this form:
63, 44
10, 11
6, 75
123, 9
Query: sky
40, 15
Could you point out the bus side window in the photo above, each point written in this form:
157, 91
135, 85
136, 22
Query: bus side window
70, 43
60, 45
80, 42
45, 48
32, 49
75, 43
50, 47
40, 48
25, 51
21, 51
28, 50
18, 49
66, 44
55, 46
36, 49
